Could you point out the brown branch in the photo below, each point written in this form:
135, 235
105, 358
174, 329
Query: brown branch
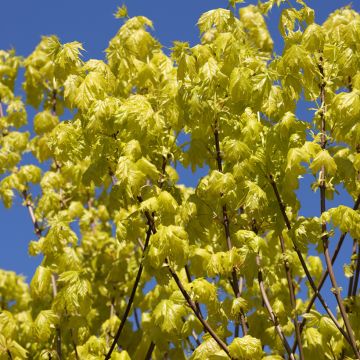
151, 229
292, 296
150, 351
131, 298
325, 237
326, 273
38, 232
193, 307
188, 276
303, 263
1, 110
351, 279
271, 312
357, 273
234, 282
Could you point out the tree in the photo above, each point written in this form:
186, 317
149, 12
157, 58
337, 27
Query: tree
136, 265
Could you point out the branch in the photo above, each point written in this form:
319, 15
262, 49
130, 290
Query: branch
150, 351
303, 263
351, 279
357, 273
234, 283
38, 232
190, 302
188, 276
131, 298
151, 229
193, 307
1, 110
326, 273
292, 297
270, 310
325, 237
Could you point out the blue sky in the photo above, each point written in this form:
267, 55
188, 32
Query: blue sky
91, 22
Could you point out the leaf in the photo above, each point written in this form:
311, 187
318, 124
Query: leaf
168, 317
313, 38
172, 242
205, 350
44, 324
41, 281
323, 158
8, 324
217, 18
167, 204
121, 12
313, 338
246, 347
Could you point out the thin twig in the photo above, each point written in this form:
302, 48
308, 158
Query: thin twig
303, 263
193, 307
38, 232
325, 237
150, 351
234, 282
270, 310
151, 229
292, 296
357, 273
325, 275
353, 282
188, 276
351, 279
131, 299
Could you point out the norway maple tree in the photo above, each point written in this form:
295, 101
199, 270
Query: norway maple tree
138, 266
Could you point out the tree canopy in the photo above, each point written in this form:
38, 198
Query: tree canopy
138, 266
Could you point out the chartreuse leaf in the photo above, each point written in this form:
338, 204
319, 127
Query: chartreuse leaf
168, 318
41, 281
347, 219
44, 324
246, 347
208, 349
323, 158
171, 242
7, 324
44, 122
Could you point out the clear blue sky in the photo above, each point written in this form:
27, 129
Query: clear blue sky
91, 22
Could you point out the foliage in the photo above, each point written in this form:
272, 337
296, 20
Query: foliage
223, 270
